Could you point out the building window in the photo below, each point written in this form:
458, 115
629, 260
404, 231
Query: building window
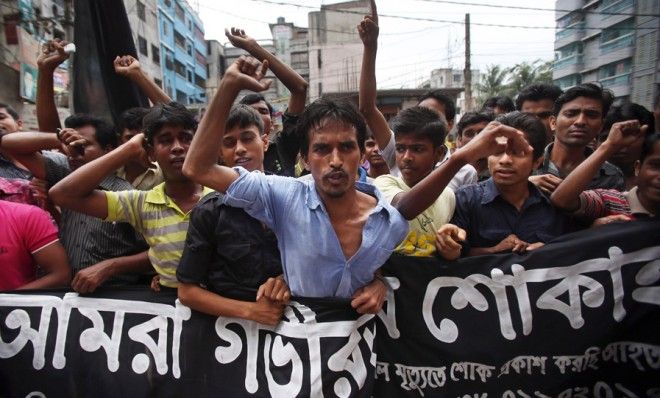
181, 97
180, 13
179, 68
201, 59
320, 89
166, 29
190, 76
142, 46
189, 49
155, 54
141, 11
168, 3
318, 59
169, 63
179, 40
200, 81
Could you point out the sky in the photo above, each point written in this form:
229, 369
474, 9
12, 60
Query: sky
409, 49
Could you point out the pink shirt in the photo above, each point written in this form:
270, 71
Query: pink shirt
24, 230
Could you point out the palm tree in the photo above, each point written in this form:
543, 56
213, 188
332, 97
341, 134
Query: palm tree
526, 73
492, 82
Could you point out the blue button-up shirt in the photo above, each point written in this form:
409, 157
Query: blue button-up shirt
488, 219
312, 259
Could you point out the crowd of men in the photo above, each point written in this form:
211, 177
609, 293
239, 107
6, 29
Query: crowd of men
238, 219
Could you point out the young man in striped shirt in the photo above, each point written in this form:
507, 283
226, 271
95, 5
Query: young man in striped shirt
607, 205
160, 214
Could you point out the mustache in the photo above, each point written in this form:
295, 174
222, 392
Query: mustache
335, 173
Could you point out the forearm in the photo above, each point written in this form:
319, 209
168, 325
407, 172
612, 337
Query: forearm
201, 161
211, 303
290, 78
410, 204
47, 116
481, 251
367, 98
149, 88
133, 264
29, 143
567, 194
59, 278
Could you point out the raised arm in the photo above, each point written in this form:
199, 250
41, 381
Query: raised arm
494, 138
78, 192
51, 56
368, 30
25, 148
622, 134
129, 67
201, 164
290, 78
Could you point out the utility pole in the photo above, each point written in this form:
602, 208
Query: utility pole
467, 72
68, 35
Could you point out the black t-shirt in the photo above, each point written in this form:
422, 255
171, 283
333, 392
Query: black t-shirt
228, 251
282, 153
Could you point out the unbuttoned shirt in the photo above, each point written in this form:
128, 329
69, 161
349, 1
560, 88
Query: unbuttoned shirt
488, 218
607, 177
312, 259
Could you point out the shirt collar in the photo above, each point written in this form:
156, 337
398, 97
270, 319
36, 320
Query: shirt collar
313, 200
491, 193
636, 206
158, 196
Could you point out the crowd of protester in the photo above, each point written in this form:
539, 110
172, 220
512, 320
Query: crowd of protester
238, 218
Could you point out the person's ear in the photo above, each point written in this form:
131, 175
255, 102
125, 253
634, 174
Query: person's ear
19, 123
440, 153
637, 167
303, 160
553, 122
264, 139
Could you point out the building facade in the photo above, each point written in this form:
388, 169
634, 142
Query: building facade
445, 78
613, 42
292, 47
272, 94
143, 18
182, 52
335, 49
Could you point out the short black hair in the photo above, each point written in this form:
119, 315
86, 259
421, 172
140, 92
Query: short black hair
11, 111
538, 92
503, 102
253, 98
243, 116
420, 122
530, 125
647, 147
131, 119
162, 114
470, 118
329, 109
446, 100
588, 90
629, 111
104, 132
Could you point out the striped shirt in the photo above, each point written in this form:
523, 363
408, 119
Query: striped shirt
89, 240
597, 203
160, 220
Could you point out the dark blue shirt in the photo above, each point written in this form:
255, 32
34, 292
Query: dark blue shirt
488, 218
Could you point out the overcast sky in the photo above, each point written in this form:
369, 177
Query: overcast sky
410, 49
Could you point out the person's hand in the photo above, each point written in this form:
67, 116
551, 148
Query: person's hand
546, 182
511, 243
246, 73
136, 145
126, 65
72, 141
610, 219
368, 27
446, 241
624, 134
87, 280
369, 299
239, 39
266, 311
534, 246
52, 54
155, 283
275, 289
494, 138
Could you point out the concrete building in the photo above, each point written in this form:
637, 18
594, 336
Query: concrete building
292, 47
143, 18
445, 78
272, 94
607, 41
216, 64
26, 24
182, 52
335, 49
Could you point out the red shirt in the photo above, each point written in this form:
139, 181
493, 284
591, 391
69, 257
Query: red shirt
24, 230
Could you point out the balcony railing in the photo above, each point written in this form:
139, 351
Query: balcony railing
615, 7
578, 28
618, 80
566, 61
620, 42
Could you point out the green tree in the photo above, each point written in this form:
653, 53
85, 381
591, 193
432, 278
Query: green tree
493, 82
526, 73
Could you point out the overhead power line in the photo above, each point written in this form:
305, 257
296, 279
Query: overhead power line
461, 22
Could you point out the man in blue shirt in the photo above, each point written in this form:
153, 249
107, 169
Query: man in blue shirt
506, 212
333, 233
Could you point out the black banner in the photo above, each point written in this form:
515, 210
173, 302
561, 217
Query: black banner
578, 318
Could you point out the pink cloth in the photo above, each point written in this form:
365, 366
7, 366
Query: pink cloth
19, 191
24, 230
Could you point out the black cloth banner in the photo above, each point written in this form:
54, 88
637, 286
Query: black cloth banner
102, 32
578, 318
